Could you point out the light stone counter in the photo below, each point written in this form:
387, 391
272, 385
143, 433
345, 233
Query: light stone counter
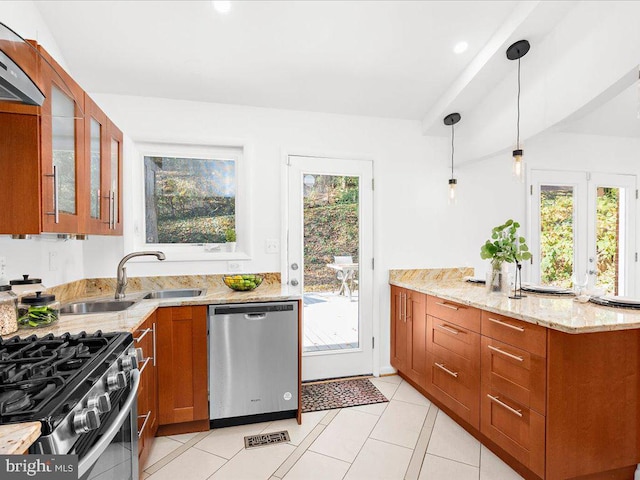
561, 313
16, 439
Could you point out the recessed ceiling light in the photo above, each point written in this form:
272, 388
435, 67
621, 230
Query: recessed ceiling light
460, 47
222, 6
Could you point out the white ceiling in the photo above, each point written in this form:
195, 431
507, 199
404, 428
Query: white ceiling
377, 58
619, 117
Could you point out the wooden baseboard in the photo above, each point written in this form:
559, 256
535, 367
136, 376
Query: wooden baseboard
186, 427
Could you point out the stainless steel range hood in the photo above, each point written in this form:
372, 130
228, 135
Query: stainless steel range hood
15, 84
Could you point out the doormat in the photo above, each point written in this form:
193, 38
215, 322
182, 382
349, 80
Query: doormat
266, 439
339, 394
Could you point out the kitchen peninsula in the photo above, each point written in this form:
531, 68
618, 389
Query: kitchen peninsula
550, 384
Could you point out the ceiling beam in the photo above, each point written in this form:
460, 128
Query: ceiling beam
493, 47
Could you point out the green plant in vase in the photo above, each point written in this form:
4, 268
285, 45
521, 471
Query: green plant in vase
504, 246
230, 237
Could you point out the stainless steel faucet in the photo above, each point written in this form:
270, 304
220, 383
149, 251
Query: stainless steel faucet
122, 270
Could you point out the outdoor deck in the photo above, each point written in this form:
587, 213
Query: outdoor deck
330, 321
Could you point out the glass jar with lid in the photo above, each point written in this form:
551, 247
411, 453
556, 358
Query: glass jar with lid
8, 310
38, 310
26, 285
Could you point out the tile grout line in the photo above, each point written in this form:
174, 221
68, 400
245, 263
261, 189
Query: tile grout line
164, 461
300, 450
420, 451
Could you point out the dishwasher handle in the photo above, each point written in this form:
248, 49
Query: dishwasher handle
255, 316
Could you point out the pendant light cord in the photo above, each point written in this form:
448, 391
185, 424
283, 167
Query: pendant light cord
452, 148
518, 123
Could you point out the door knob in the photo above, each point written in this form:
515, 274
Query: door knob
294, 266
294, 282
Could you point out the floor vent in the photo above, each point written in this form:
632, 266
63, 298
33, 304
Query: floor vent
266, 439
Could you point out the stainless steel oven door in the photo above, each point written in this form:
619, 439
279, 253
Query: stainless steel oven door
114, 456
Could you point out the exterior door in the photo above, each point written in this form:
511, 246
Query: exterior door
330, 263
582, 227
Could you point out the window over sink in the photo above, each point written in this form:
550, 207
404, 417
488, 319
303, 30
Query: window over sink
194, 201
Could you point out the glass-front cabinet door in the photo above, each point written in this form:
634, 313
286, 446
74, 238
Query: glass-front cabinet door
114, 195
95, 197
61, 148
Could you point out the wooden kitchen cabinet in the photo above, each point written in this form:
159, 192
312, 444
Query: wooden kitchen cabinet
145, 338
43, 157
47, 155
408, 333
453, 359
182, 369
103, 152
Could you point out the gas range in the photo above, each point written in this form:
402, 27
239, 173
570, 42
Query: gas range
78, 386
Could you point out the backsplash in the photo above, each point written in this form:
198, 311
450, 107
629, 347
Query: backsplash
430, 274
97, 287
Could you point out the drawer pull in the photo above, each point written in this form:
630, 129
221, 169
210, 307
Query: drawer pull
445, 369
504, 405
452, 307
506, 354
144, 424
144, 365
505, 324
449, 329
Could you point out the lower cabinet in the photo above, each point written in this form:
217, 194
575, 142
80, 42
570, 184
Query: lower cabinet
183, 403
552, 405
145, 339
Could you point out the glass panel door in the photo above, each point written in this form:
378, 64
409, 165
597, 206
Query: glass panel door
557, 236
331, 261
330, 247
113, 184
63, 143
95, 168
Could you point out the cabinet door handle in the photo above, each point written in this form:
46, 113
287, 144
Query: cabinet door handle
504, 405
449, 329
506, 354
403, 307
56, 212
505, 324
144, 424
144, 332
442, 304
153, 331
445, 369
112, 210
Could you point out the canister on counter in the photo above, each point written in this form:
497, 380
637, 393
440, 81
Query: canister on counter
8, 310
26, 285
39, 310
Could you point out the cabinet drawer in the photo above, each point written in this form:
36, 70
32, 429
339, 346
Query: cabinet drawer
524, 335
455, 382
514, 427
457, 339
462, 315
514, 372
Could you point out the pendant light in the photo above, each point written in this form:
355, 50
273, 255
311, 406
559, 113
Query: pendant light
451, 120
516, 52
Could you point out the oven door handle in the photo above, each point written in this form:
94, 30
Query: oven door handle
125, 411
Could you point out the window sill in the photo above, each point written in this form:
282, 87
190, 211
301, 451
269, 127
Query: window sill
199, 256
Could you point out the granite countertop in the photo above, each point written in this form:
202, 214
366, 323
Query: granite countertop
16, 438
561, 313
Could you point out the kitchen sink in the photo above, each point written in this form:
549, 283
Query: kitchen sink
96, 306
175, 293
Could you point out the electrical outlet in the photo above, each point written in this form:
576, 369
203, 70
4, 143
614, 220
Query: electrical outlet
271, 245
233, 266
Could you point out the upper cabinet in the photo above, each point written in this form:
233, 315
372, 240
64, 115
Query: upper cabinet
63, 161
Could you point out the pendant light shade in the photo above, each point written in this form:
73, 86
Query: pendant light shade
516, 52
451, 120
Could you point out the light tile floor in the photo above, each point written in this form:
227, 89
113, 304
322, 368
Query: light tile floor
405, 439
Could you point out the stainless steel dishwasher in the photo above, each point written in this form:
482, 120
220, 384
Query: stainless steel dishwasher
253, 362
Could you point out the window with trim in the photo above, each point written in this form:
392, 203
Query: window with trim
191, 198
